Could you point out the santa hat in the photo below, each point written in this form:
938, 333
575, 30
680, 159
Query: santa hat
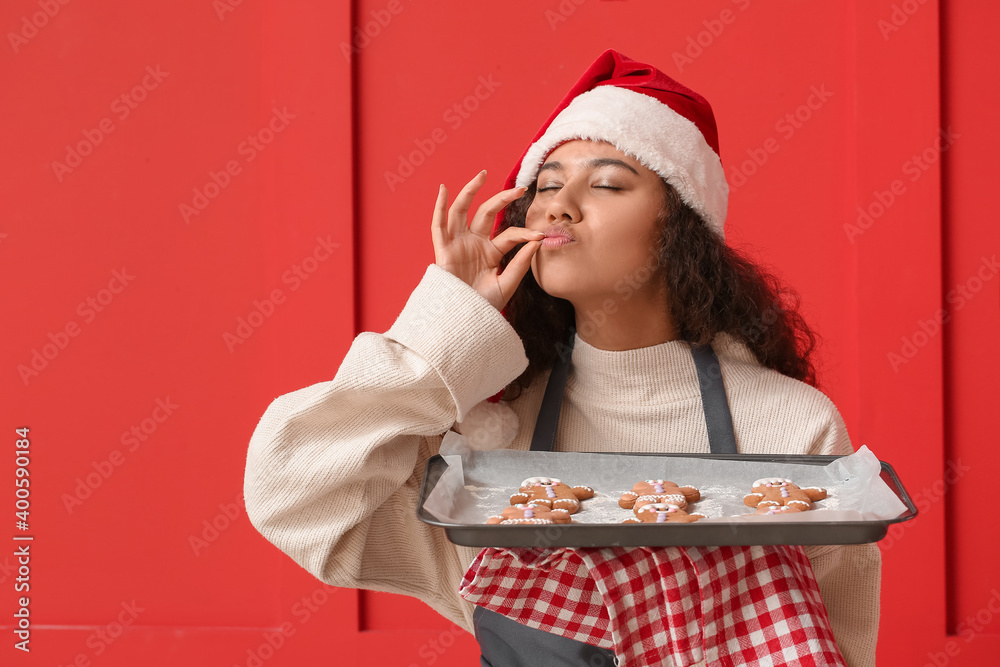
644, 113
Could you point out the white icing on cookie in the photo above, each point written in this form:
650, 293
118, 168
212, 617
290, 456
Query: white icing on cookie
771, 480
662, 510
659, 507
675, 498
548, 481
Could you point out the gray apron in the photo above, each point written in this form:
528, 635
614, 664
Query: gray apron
506, 643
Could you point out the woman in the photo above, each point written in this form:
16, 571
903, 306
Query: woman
619, 216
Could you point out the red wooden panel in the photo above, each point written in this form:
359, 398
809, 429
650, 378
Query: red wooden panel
898, 281
219, 279
971, 291
105, 248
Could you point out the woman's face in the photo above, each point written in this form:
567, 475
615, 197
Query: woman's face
606, 203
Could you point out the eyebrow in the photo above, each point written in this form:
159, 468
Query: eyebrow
592, 164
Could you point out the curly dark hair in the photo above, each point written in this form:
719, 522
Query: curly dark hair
711, 288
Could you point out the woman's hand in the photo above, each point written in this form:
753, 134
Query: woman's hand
465, 249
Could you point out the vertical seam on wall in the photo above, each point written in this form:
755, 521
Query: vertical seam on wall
356, 171
947, 448
360, 610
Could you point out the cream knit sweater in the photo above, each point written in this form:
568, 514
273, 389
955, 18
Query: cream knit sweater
333, 470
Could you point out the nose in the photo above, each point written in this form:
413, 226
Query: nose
563, 206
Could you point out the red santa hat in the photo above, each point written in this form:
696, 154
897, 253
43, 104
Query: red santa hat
644, 113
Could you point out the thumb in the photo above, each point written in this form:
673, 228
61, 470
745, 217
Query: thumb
516, 270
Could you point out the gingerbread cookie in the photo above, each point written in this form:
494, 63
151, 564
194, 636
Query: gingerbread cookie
782, 492
658, 491
530, 514
663, 513
552, 493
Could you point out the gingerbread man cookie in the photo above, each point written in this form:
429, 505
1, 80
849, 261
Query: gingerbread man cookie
551, 492
780, 491
663, 513
530, 514
658, 491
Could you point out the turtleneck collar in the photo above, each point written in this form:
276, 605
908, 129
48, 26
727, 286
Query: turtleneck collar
659, 373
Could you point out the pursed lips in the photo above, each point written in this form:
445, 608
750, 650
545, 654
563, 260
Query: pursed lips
556, 236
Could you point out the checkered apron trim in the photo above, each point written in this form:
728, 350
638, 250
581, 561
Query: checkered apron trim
757, 606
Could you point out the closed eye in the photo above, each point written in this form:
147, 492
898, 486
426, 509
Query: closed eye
556, 187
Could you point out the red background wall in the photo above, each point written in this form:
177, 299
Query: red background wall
236, 222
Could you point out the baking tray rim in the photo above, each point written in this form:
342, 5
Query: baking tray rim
515, 536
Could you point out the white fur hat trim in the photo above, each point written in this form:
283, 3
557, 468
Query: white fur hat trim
649, 131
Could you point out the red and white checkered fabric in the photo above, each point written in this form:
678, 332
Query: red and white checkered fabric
732, 606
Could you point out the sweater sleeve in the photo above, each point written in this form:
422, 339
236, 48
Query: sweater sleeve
849, 576
333, 470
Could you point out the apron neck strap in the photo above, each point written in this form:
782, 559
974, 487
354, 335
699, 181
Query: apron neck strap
718, 419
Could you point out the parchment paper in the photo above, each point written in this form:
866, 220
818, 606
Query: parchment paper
478, 484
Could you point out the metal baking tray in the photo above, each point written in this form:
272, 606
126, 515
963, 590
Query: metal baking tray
716, 533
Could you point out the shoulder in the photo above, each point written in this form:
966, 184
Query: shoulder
775, 413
